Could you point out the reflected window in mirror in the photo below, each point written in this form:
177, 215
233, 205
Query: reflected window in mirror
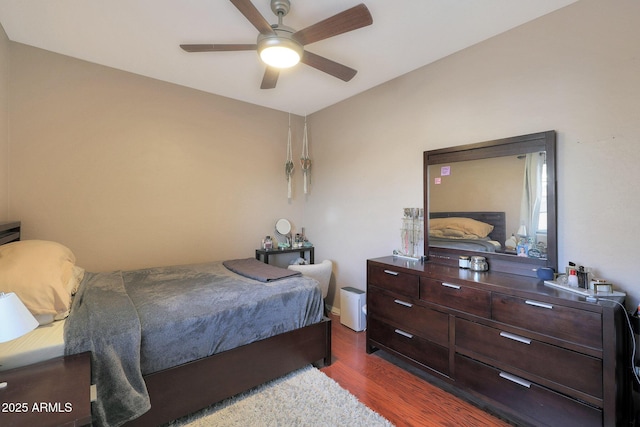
542, 217
532, 232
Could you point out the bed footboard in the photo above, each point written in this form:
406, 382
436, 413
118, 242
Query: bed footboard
179, 391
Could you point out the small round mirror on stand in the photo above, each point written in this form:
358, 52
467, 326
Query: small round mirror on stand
283, 228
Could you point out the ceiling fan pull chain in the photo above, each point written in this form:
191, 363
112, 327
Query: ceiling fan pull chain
305, 161
288, 166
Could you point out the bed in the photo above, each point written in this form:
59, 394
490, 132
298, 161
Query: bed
473, 231
154, 362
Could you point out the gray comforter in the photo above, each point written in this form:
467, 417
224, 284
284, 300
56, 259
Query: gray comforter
143, 321
478, 245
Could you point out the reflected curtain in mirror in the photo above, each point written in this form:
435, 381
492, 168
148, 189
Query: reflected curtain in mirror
532, 193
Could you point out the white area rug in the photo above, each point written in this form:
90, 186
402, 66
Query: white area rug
306, 397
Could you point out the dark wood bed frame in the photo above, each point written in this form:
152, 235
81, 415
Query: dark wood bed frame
497, 219
187, 388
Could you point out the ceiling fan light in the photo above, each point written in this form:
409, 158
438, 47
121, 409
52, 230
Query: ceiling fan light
279, 52
279, 57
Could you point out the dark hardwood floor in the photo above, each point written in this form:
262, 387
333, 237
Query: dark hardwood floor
400, 396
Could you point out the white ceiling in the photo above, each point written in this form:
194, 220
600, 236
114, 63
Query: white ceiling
142, 37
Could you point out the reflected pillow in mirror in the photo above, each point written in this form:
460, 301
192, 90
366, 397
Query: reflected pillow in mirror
464, 225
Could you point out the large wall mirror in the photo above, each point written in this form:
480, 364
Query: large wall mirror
496, 199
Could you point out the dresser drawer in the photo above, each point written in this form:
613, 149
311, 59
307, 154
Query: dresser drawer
534, 402
410, 345
568, 368
578, 326
453, 295
426, 323
394, 280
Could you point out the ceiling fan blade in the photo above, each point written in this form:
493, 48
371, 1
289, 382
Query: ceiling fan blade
328, 66
270, 78
253, 15
217, 47
348, 20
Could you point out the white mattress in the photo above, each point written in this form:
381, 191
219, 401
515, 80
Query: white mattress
43, 343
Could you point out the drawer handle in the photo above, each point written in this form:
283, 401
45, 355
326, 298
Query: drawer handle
539, 304
393, 273
406, 304
450, 285
517, 380
403, 333
515, 337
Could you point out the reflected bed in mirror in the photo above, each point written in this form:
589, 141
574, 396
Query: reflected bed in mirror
475, 231
496, 199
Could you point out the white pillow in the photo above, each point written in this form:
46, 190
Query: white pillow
320, 272
72, 288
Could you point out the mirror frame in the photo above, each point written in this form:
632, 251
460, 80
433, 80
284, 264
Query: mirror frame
513, 146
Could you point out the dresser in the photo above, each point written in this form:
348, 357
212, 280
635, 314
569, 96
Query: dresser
534, 354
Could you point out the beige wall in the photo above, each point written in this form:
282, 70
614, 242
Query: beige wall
576, 71
480, 185
130, 171
4, 124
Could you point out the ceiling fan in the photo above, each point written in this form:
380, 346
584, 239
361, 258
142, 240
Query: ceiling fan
280, 46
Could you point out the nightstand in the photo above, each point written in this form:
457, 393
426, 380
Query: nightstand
267, 252
55, 392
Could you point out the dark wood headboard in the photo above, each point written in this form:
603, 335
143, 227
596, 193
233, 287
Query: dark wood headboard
9, 232
497, 219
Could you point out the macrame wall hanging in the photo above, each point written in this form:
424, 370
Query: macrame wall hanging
305, 161
288, 166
